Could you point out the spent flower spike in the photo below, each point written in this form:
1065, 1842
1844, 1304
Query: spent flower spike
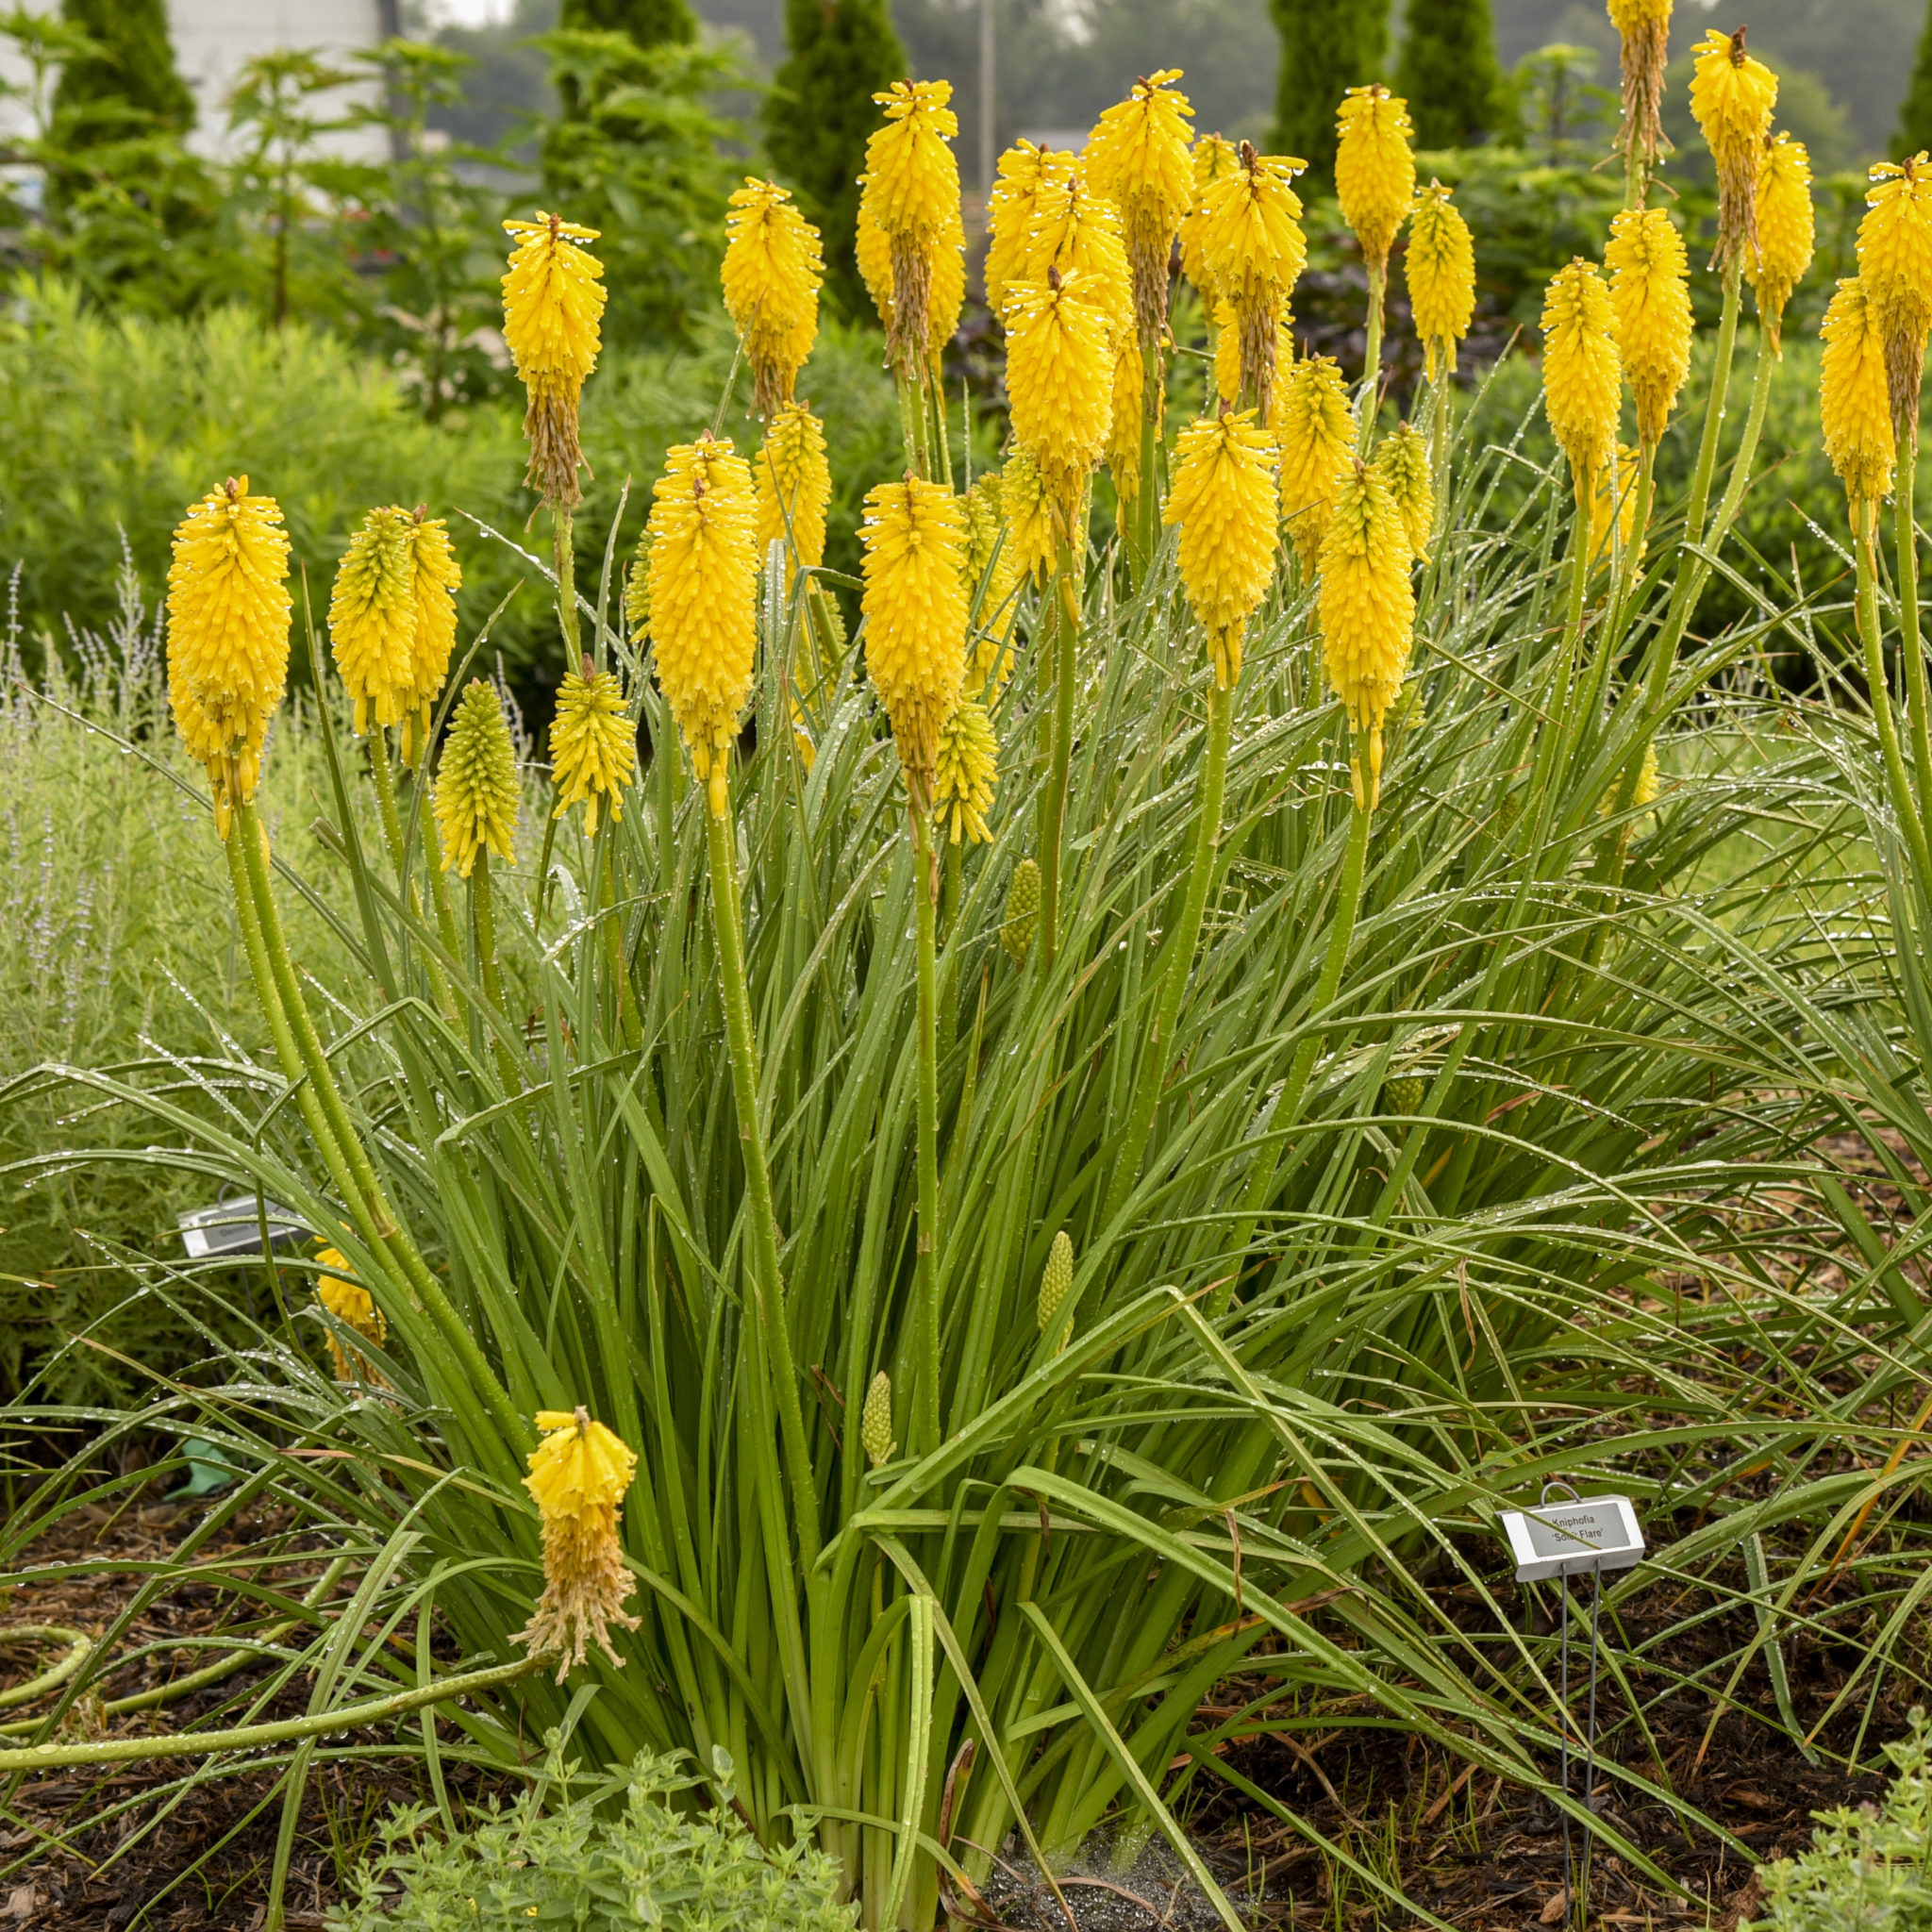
1643, 31
1732, 95
1895, 266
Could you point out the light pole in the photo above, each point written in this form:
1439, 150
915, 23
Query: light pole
986, 94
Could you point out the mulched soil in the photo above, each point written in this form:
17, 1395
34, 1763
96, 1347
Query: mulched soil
1474, 1851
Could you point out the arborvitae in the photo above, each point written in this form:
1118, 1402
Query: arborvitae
1448, 71
821, 111
1915, 111
131, 86
647, 24
1327, 46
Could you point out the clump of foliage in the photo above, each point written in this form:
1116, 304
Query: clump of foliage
1869, 1869
1449, 74
1327, 46
561, 1853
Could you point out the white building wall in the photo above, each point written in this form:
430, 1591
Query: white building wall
214, 39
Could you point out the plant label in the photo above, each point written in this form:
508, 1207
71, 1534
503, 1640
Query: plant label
1574, 1538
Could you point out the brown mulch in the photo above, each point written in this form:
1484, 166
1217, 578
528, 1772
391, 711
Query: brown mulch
1472, 1850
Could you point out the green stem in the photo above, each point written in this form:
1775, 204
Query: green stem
393, 833
340, 1146
37, 1758
483, 918
1865, 517
1372, 358
567, 588
1287, 1109
614, 959
926, 1420
1439, 453
1066, 640
1157, 1051
1557, 732
769, 1276
1910, 646
1146, 522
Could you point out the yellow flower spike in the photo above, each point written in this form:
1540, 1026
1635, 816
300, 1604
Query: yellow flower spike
1787, 227
1582, 375
1895, 265
1312, 424
1020, 921
1076, 232
875, 1422
1253, 246
772, 274
1402, 459
1615, 494
1375, 168
1223, 498
1366, 607
1138, 158
1228, 353
1023, 175
593, 745
229, 635
1028, 511
914, 536
1644, 30
371, 618
435, 577
1854, 400
1213, 158
1650, 295
1060, 378
476, 793
703, 589
794, 483
578, 1475
1124, 433
352, 1305
966, 774
1732, 96
1056, 1283
990, 541
552, 305
1439, 267
910, 192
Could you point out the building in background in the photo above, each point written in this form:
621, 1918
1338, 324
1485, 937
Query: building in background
215, 38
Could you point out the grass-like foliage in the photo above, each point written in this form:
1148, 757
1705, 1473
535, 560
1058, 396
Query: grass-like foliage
1391, 1257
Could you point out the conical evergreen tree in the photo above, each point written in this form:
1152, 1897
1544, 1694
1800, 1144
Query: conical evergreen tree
818, 116
646, 22
131, 86
1327, 46
1449, 71
1915, 111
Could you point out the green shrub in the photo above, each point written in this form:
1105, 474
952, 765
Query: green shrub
1868, 1870
557, 1856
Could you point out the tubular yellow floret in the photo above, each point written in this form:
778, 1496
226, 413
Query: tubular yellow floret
1253, 246
1439, 265
1366, 607
594, 745
578, 1475
966, 774
371, 618
435, 577
1895, 266
1060, 378
477, 794
1402, 460
1644, 28
794, 483
1025, 172
1138, 158
553, 302
1076, 232
1614, 496
914, 535
1787, 223
229, 635
1375, 168
703, 589
353, 1307
1650, 294
1223, 498
1732, 96
772, 272
1582, 378
1855, 403
1213, 158
1316, 434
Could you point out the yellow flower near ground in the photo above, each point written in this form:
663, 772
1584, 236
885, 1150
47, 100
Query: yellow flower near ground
966, 774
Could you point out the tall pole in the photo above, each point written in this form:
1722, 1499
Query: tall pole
986, 96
